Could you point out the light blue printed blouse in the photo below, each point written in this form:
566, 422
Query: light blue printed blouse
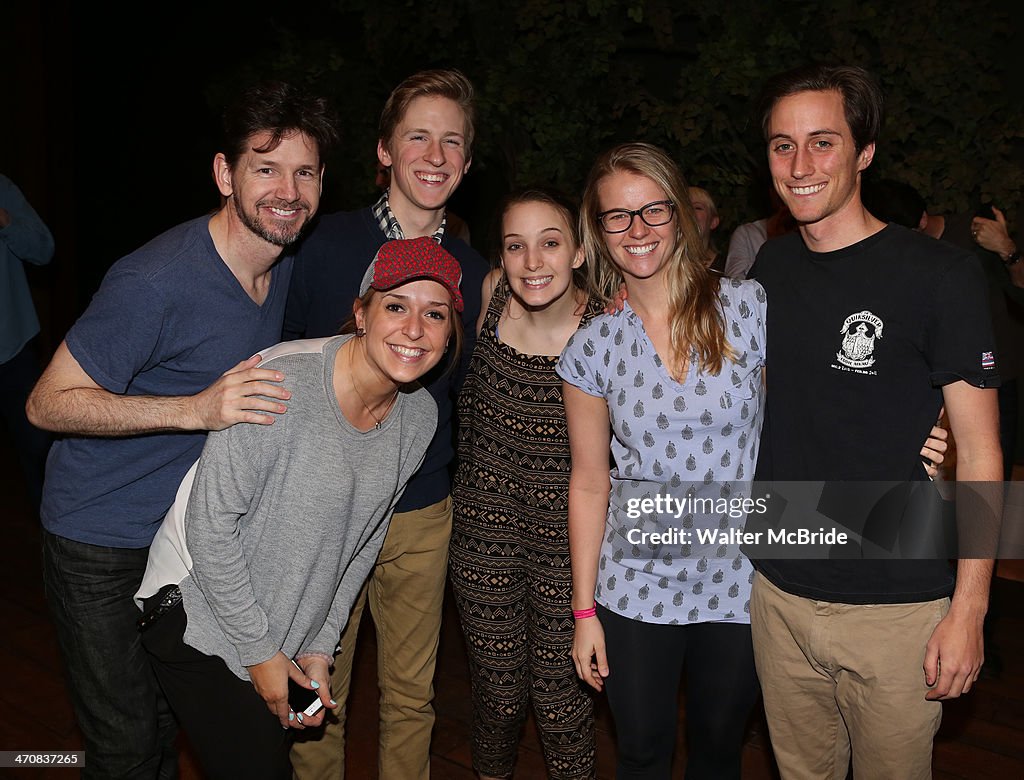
683, 458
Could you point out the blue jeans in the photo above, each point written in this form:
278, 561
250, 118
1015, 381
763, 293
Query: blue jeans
128, 727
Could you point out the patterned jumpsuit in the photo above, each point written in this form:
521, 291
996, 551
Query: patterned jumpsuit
510, 556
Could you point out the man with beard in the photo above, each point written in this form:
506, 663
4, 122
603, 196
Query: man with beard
134, 387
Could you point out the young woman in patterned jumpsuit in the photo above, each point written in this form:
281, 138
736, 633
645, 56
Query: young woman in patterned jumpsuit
510, 549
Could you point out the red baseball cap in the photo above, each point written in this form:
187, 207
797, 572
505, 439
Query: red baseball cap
403, 260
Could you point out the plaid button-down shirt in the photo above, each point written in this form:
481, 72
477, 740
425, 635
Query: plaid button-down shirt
389, 223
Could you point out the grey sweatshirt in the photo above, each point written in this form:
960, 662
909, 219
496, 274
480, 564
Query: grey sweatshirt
285, 521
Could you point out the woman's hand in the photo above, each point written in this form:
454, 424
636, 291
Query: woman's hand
618, 303
588, 652
319, 679
270, 679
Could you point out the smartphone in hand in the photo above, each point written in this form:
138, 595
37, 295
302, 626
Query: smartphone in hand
303, 699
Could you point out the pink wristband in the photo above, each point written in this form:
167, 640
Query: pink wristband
580, 614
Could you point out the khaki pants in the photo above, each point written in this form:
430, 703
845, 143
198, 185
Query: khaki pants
405, 591
844, 681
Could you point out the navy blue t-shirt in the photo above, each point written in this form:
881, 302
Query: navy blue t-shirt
168, 319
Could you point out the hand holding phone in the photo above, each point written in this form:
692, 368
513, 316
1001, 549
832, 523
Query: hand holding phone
303, 700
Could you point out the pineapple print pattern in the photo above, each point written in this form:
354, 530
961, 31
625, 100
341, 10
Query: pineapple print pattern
696, 440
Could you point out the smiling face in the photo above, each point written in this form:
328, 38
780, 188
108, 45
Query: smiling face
427, 156
642, 251
274, 193
538, 253
814, 162
407, 329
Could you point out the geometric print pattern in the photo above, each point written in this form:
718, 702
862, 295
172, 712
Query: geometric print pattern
509, 557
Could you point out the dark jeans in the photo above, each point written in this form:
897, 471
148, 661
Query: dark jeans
227, 722
17, 378
128, 727
645, 663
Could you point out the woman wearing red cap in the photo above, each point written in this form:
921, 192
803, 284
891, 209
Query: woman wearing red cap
277, 526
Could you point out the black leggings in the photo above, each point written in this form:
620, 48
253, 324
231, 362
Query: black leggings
645, 663
228, 723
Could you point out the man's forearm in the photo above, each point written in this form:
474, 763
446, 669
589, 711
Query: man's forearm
973, 578
974, 420
88, 411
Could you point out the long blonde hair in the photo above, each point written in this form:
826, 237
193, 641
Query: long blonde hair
696, 320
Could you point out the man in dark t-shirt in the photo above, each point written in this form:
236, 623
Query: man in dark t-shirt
871, 329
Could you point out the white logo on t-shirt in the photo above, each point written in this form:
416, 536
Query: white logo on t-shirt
859, 332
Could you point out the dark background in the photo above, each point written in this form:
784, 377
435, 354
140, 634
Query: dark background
110, 117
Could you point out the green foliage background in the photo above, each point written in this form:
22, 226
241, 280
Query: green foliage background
558, 81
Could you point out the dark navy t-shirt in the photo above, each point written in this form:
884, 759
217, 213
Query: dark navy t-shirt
168, 319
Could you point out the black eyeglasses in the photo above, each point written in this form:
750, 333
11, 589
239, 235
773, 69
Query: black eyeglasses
653, 214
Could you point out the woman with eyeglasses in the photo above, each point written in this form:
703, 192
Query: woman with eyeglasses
672, 386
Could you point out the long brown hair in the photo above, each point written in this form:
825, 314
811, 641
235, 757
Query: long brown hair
583, 278
696, 320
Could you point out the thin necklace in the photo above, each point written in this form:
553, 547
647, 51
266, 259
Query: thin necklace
378, 421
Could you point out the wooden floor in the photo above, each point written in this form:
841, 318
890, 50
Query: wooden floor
982, 735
